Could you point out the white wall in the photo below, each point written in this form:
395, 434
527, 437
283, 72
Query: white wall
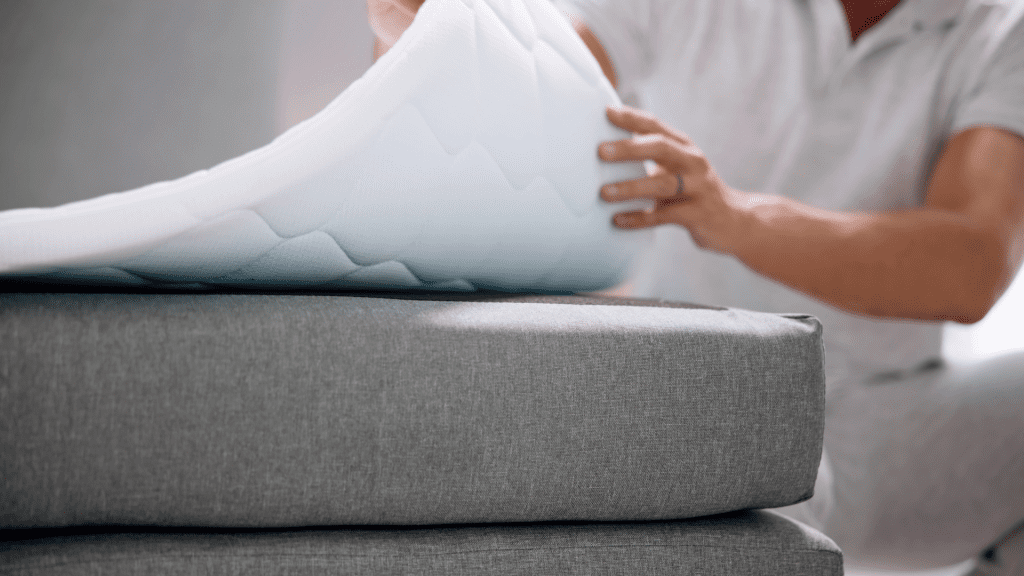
1001, 331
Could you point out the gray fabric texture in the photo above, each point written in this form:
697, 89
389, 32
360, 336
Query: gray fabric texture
746, 543
255, 410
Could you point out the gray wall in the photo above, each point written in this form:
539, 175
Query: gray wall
99, 96
325, 45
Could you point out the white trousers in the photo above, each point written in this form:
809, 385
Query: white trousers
925, 468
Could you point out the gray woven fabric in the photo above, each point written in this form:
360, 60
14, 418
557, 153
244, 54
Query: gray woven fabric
318, 410
747, 543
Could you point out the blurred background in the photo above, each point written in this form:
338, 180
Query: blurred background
100, 96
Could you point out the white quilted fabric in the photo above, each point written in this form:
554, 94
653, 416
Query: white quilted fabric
464, 158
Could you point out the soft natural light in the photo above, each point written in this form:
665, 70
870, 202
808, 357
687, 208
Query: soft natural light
1001, 331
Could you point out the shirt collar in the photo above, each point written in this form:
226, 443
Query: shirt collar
934, 13
924, 13
910, 16
906, 19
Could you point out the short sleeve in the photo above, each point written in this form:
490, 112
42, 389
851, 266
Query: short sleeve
626, 28
995, 97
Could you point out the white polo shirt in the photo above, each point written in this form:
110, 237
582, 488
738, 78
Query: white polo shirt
781, 102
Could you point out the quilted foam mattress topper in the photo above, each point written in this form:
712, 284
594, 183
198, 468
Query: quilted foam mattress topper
464, 158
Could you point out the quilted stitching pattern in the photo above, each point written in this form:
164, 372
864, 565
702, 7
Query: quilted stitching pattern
464, 158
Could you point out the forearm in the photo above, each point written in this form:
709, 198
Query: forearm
596, 48
926, 263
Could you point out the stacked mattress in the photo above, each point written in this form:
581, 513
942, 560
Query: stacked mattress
751, 543
234, 430
162, 415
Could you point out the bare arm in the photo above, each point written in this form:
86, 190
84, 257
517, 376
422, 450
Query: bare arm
597, 49
389, 18
948, 260
951, 259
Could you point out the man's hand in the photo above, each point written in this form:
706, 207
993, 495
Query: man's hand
389, 18
684, 187
949, 259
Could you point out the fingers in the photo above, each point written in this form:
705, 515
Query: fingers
641, 219
641, 122
658, 187
673, 155
655, 141
680, 210
633, 220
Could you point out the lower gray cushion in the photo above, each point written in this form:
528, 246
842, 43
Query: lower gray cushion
747, 543
237, 410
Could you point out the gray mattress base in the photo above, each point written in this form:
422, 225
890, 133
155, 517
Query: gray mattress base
739, 544
290, 410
